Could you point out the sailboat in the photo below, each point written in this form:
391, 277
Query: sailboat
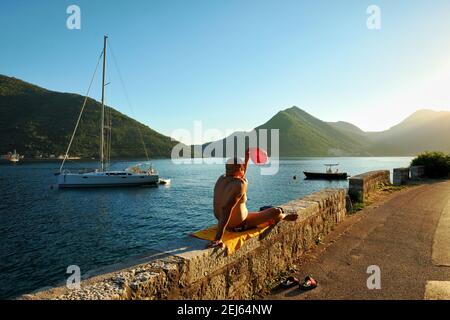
11, 157
14, 157
137, 175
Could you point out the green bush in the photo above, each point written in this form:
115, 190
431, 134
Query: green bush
437, 164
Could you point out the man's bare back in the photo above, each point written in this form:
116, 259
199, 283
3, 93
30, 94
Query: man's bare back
226, 188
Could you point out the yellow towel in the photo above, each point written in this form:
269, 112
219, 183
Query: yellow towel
232, 240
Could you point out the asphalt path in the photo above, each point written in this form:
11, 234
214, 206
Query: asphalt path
400, 245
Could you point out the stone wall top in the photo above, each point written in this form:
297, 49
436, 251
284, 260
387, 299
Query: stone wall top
370, 175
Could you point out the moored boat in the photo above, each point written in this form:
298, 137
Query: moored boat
327, 175
13, 157
94, 179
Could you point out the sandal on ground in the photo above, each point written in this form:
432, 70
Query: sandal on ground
289, 282
308, 284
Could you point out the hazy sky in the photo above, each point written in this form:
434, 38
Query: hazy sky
234, 63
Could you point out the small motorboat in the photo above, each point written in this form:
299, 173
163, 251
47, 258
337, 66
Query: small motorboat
329, 174
164, 181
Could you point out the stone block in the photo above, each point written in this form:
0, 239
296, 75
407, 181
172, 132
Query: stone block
361, 186
400, 176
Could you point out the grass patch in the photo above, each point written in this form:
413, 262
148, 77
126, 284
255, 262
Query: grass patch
357, 206
381, 187
391, 188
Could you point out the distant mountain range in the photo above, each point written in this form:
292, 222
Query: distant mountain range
304, 135
37, 121
424, 130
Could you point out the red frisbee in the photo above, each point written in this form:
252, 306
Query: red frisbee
258, 155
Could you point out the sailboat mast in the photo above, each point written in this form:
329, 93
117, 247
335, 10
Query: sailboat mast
102, 134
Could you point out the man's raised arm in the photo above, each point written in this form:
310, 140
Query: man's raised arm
247, 159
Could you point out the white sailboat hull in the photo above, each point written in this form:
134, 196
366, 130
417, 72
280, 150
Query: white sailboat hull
105, 179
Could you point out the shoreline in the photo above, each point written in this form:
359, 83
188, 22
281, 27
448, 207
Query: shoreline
169, 158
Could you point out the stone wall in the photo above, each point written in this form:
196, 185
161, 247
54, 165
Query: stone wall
184, 269
362, 185
400, 176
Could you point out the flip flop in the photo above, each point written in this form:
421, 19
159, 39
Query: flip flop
289, 282
308, 284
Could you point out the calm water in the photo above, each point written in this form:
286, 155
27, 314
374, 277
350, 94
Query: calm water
44, 230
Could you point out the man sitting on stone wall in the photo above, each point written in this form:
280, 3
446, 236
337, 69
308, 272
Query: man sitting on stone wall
230, 197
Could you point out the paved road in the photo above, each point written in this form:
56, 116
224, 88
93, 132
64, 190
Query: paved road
399, 235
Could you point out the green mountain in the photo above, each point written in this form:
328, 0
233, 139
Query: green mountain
301, 134
36, 121
347, 128
304, 135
